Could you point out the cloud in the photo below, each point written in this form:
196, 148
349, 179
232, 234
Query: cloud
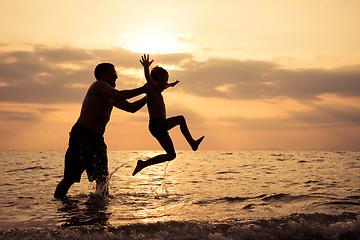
61, 74
17, 116
228, 78
330, 115
318, 115
25, 112
63, 54
44, 74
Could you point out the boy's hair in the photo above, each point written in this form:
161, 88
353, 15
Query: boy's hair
100, 68
157, 71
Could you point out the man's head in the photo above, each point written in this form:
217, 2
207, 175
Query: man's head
106, 72
160, 75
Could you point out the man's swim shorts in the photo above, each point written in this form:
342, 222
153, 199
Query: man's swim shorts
158, 128
86, 151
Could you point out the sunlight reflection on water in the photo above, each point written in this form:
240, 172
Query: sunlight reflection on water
203, 186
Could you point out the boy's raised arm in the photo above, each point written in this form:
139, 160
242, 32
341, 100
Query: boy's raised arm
146, 64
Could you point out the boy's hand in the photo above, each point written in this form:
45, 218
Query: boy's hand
173, 83
145, 61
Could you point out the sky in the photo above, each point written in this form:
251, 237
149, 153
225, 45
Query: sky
254, 75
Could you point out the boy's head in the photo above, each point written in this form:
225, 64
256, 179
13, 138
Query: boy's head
160, 75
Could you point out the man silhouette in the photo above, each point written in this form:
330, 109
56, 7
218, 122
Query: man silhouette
87, 149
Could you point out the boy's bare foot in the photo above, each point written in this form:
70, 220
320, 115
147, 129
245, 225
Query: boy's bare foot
139, 166
196, 144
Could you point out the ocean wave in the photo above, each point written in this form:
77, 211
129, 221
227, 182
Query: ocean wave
227, 172
28, 168
228, 199
343, 203
298, 226
281, 197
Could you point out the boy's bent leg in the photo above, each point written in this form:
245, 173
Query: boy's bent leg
180, 120
63, 187
167, 144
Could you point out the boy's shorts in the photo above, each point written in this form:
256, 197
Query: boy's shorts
86, 151
158, 128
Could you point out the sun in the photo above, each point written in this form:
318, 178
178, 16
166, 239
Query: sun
155, 43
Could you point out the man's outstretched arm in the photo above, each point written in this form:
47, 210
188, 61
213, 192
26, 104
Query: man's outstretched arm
126, 94
130, 107
106, 90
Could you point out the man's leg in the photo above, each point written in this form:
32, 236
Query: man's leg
180, 120
63, 187
167, 144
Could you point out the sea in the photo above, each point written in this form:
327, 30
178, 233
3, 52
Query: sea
200, 195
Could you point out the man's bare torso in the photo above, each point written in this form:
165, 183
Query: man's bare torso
96, 109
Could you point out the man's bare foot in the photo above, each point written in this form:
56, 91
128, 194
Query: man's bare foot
139, 166
196, 143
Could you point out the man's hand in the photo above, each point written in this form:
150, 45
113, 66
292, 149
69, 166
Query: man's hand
173, 83
145, 61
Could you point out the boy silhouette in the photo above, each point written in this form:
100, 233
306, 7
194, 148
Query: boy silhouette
159, 124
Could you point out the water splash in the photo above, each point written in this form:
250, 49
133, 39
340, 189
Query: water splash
157, 191
103, 189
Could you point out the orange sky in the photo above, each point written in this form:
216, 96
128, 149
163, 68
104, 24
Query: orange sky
253, 74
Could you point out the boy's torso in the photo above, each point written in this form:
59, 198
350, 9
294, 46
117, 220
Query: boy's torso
156, 105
